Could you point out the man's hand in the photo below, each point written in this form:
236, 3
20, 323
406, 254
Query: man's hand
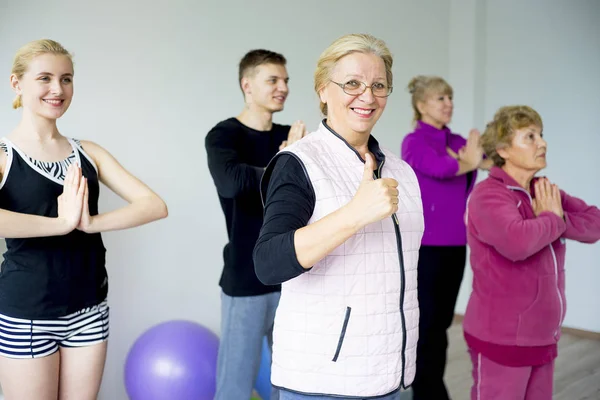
297, 132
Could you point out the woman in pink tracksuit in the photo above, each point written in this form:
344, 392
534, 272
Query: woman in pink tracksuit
516, 230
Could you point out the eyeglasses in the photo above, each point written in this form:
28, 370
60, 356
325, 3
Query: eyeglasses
356, 88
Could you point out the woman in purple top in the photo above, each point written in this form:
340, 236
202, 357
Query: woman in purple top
446, 166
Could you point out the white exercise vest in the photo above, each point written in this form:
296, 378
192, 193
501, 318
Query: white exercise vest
349, 326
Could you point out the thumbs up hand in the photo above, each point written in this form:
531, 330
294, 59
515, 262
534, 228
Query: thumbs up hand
375, 199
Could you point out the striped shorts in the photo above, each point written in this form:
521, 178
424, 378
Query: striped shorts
25, 338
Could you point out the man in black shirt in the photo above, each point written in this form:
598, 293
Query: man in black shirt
238, 150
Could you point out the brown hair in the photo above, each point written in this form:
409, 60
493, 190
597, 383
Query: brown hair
500, 131
254, 58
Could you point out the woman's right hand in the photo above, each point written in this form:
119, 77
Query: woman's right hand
70, 202
375, 199
547, 198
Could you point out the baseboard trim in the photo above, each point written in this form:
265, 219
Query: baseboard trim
458, 319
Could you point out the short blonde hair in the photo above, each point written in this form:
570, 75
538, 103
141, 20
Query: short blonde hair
421, 87
500, 131
343, 46
28, 52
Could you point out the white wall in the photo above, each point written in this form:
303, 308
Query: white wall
544, 53
151, 80
466, 71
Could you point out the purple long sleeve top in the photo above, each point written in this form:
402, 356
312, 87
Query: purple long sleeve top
444, 194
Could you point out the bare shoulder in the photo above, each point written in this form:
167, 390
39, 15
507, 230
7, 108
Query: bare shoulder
89, 145
93, 149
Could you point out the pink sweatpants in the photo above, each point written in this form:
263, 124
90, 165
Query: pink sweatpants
493, 381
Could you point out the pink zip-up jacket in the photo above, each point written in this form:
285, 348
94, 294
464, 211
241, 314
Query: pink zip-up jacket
518, 262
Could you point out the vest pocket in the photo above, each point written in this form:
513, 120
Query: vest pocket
342, 334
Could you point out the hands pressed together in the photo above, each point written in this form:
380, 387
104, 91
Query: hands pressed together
547, 198
73, 207
472, 152
297, 132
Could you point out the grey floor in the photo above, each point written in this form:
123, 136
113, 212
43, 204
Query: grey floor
576, 376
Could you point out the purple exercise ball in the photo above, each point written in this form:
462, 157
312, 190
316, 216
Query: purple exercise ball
173, 360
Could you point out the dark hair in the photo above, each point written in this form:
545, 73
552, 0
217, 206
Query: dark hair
254, 58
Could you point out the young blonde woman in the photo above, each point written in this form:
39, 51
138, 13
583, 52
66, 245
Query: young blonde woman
53, 283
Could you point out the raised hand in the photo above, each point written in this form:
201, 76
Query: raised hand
70, 202
375, 199
297, 132
547, 198
473, 139
86, 220
472, 153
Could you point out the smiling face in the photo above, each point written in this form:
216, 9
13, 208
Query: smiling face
437, 109
527, 150
46, 87
355, 114
266, 87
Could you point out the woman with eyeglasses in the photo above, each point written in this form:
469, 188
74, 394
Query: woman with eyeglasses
446, 166
342, 229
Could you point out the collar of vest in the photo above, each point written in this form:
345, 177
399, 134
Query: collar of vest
338, 141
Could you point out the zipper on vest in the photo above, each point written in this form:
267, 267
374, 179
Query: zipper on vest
377, 175
342, 334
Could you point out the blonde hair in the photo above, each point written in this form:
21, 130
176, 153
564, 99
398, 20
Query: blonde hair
500, 131
28, 52
421, 87
343, 46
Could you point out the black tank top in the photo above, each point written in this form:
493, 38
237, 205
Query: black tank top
49, 277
